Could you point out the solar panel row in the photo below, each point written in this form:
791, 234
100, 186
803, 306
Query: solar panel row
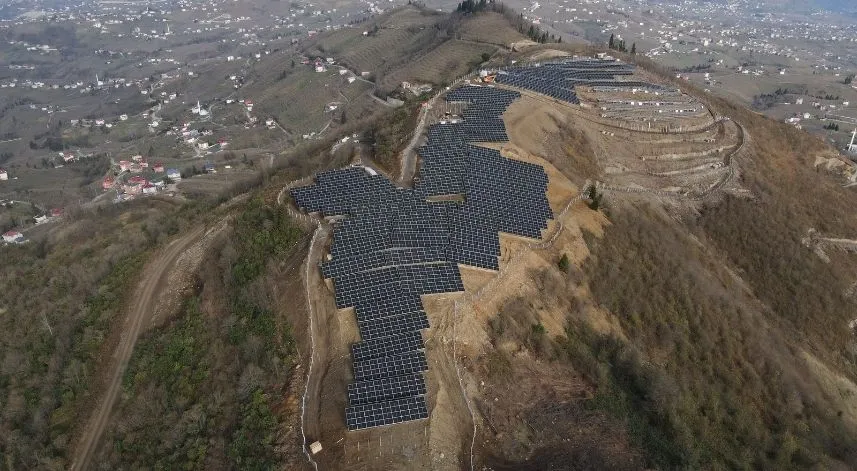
368, 392
557, 79
362, 416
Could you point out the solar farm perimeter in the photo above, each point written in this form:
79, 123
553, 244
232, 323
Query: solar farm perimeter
392, 246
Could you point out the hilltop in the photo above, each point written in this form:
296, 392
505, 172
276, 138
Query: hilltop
630, 273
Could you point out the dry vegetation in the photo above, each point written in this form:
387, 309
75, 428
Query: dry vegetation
207, 390
703, 359
60, 297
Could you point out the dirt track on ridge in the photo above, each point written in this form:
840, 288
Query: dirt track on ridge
143, 304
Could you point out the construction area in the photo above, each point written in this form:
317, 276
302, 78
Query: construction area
401, 294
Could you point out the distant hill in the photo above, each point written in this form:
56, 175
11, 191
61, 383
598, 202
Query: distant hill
832, 5
837, 5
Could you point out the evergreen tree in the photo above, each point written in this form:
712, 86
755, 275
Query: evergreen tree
633, 49
611, 44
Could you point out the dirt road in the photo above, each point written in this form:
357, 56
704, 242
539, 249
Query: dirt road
320, 348
143, 304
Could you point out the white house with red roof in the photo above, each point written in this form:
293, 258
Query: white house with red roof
124, 165
158, 168
13, 237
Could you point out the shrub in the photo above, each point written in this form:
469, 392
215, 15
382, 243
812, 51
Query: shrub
564, 264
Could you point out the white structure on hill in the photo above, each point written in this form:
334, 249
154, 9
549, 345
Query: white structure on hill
852, 147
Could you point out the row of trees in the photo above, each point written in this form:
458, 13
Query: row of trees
619, 45
522, 25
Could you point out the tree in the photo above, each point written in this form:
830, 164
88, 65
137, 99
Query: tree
633, 49
564, 263
594, 198
612, 43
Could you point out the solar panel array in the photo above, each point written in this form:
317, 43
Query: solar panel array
557, 79
395, 245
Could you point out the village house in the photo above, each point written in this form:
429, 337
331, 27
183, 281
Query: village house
13, 237
174, 174
107, 183
135, 185
124, 165
158, 168
4, 175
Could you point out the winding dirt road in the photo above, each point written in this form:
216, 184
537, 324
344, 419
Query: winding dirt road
143, 304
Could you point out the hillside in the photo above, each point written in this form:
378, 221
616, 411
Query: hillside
675, 291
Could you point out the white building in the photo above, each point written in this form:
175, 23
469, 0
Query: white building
13, 237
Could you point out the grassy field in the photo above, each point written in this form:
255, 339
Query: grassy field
491, 28
451, 59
